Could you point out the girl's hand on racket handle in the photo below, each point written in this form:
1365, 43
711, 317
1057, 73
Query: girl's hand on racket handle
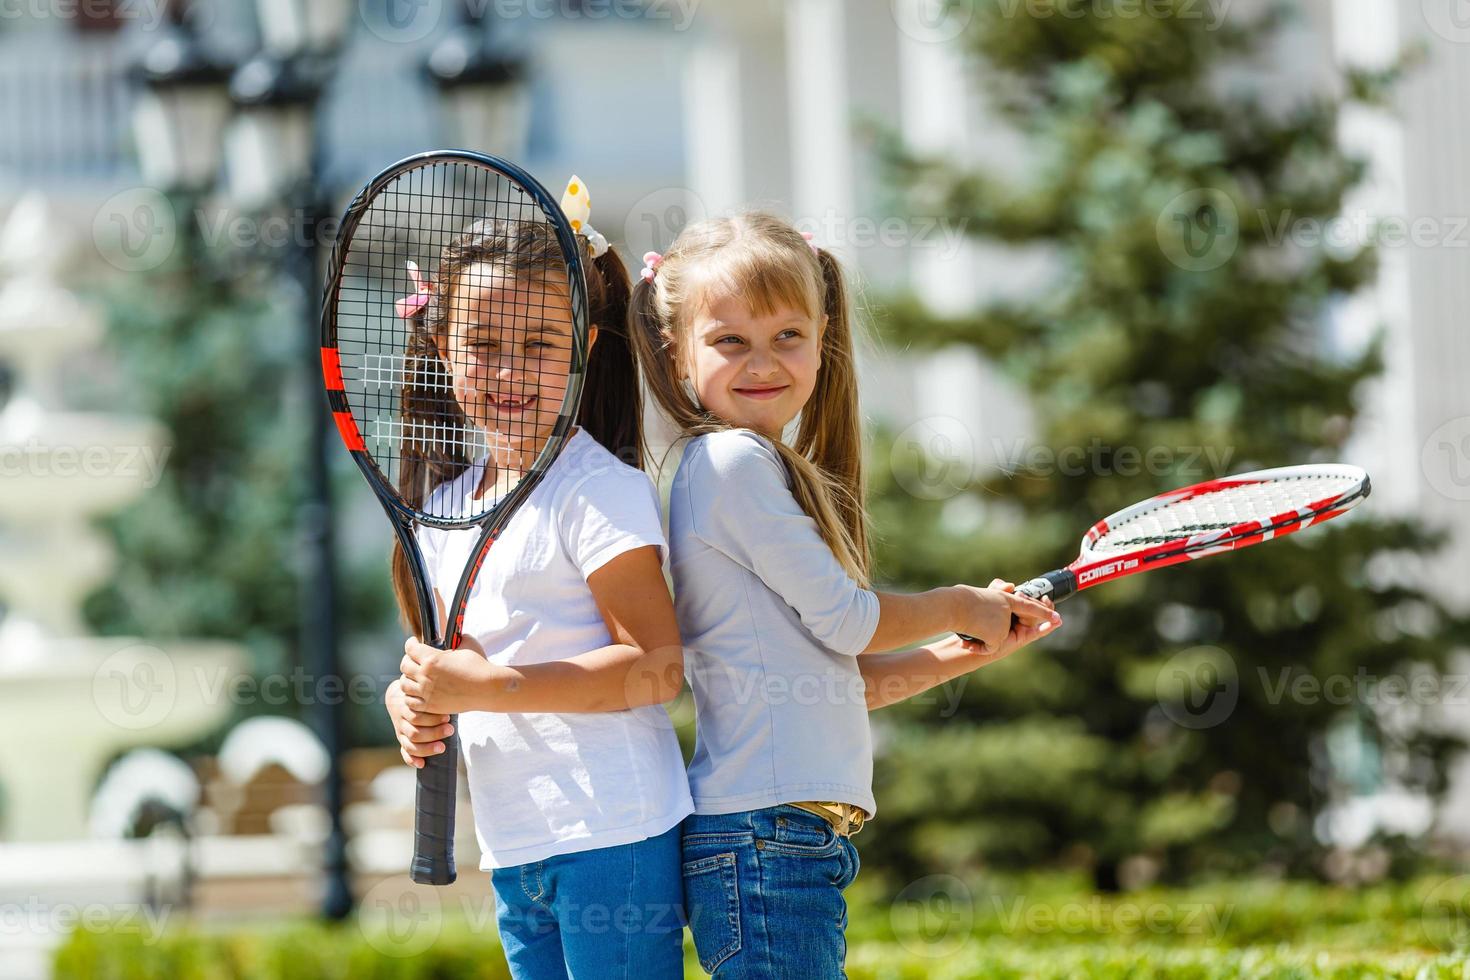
445, 681
1027, 627
987, 614
419, 733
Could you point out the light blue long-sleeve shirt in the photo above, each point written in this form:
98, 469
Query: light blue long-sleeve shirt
772, 626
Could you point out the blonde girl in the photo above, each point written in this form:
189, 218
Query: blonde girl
743, 334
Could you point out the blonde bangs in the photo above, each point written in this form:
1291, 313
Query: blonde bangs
765, 276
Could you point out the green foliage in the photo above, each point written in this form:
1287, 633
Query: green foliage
1181, 338
1034, 926
211, 345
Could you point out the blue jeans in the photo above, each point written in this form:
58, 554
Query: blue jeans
614, 912
763, 889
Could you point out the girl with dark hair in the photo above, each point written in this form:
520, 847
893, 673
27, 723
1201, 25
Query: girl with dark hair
570, 642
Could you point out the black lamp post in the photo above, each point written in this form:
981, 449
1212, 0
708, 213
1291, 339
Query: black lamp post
183, 107
274, 152
482, 90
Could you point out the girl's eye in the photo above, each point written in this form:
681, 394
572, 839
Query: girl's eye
731, 339
788, 333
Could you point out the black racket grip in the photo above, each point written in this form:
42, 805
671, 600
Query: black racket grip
435, 798
1055, 586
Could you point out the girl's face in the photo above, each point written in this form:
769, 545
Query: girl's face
509, 352
755, 372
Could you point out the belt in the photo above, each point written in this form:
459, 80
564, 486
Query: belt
845, 818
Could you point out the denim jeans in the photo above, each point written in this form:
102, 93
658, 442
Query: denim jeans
763, 889
613, 912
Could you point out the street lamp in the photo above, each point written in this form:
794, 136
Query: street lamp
271, 145
275, 155
182, 109
482, 87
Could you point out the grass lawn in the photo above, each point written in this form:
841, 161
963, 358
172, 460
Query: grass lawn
938, 927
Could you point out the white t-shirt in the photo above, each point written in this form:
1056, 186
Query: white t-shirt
547, 784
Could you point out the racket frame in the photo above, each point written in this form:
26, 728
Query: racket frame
433, 861
1091, 568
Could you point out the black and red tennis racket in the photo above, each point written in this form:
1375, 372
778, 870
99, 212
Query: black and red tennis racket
454, 387
1205, 519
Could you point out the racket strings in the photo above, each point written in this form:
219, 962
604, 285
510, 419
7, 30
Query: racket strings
457, 377
1290, 498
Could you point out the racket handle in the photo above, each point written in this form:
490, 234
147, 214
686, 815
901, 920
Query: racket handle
1055, 586
435, 799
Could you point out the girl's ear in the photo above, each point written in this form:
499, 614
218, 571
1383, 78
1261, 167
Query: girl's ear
591, 336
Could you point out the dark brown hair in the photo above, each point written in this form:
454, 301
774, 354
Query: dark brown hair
610, 408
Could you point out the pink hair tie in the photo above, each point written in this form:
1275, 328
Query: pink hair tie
410, 305
651, 262
808, 236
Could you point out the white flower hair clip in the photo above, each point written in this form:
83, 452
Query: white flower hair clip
576, 203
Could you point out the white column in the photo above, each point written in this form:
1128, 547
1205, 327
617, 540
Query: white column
821, 121
713, 131
938, 115
1365, 33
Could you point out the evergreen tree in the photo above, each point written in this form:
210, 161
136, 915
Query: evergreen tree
1166, 719
208, 344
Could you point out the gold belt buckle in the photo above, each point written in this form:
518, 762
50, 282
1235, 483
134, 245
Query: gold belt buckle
845, 818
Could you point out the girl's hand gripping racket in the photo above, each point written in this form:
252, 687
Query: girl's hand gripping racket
454, 389
1205, 519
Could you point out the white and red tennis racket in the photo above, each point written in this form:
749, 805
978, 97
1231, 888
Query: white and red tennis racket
1205, 519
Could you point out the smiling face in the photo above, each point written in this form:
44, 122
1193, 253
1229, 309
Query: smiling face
509, 352
755, 371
